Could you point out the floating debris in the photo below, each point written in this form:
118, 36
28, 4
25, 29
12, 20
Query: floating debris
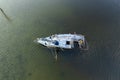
5, 15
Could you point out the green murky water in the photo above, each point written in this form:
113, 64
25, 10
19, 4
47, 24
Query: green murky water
22, 59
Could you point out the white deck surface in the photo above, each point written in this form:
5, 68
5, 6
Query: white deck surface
61, 39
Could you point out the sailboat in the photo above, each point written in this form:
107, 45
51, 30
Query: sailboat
63, 41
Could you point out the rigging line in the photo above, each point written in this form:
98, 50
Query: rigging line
56, 54
53, 52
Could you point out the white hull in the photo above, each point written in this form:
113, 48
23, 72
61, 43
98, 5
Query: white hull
65, 41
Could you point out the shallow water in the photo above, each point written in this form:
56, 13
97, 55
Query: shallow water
22, 59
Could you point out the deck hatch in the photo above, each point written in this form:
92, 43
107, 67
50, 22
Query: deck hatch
67, 42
